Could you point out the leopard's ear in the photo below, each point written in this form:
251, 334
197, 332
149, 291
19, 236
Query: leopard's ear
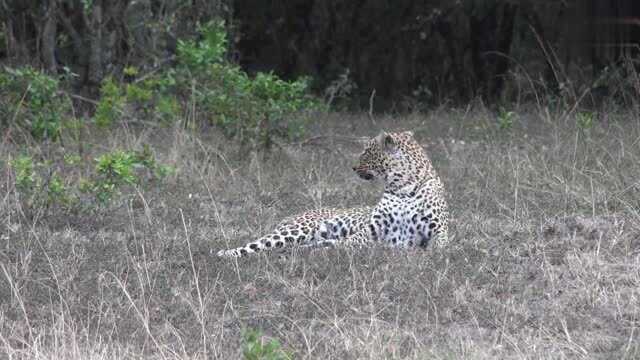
386, 141
408, 132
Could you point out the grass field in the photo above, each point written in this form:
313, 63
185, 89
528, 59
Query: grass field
544, 261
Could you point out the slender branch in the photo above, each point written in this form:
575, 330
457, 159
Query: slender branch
81, 98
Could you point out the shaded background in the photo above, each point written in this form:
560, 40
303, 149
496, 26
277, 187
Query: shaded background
426, 52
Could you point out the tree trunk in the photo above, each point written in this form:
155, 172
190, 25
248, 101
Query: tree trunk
94, 25
48, 38
491, 35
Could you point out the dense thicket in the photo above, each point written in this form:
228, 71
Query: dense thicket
431, 51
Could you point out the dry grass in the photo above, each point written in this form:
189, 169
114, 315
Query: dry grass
545, 261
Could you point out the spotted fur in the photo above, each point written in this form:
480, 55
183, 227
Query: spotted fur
412, 212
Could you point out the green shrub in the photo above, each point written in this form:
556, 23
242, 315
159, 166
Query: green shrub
34, 99
506, 119
111, 104
210, 49
35, 188
167, 109
254, 348
121, 168
139, 93
57, 191
278, 101
153, 98
43, 183
585, 120
117, 167
257, 110
25, 176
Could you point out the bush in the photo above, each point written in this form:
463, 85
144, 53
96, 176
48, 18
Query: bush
25, 177
117, 169
198, 55
256, 110
506, 119
36, 189
33, 98
43, 183
151, 98
111, 103
585, 120
254, 348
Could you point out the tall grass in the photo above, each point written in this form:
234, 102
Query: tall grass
544, 262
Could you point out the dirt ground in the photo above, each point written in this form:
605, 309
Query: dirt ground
544, 261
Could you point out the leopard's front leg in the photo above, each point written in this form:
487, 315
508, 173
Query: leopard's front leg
360, 238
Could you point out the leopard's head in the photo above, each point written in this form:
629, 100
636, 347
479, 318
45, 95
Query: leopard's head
395, 157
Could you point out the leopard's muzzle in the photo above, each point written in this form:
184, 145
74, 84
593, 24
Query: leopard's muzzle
363, 172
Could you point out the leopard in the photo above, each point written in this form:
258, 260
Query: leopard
411, 213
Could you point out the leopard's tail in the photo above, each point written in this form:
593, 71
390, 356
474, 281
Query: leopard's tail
276, 240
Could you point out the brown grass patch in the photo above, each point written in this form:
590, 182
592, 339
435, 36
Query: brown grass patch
545, 261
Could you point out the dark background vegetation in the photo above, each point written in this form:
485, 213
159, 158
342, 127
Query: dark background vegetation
428, 52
